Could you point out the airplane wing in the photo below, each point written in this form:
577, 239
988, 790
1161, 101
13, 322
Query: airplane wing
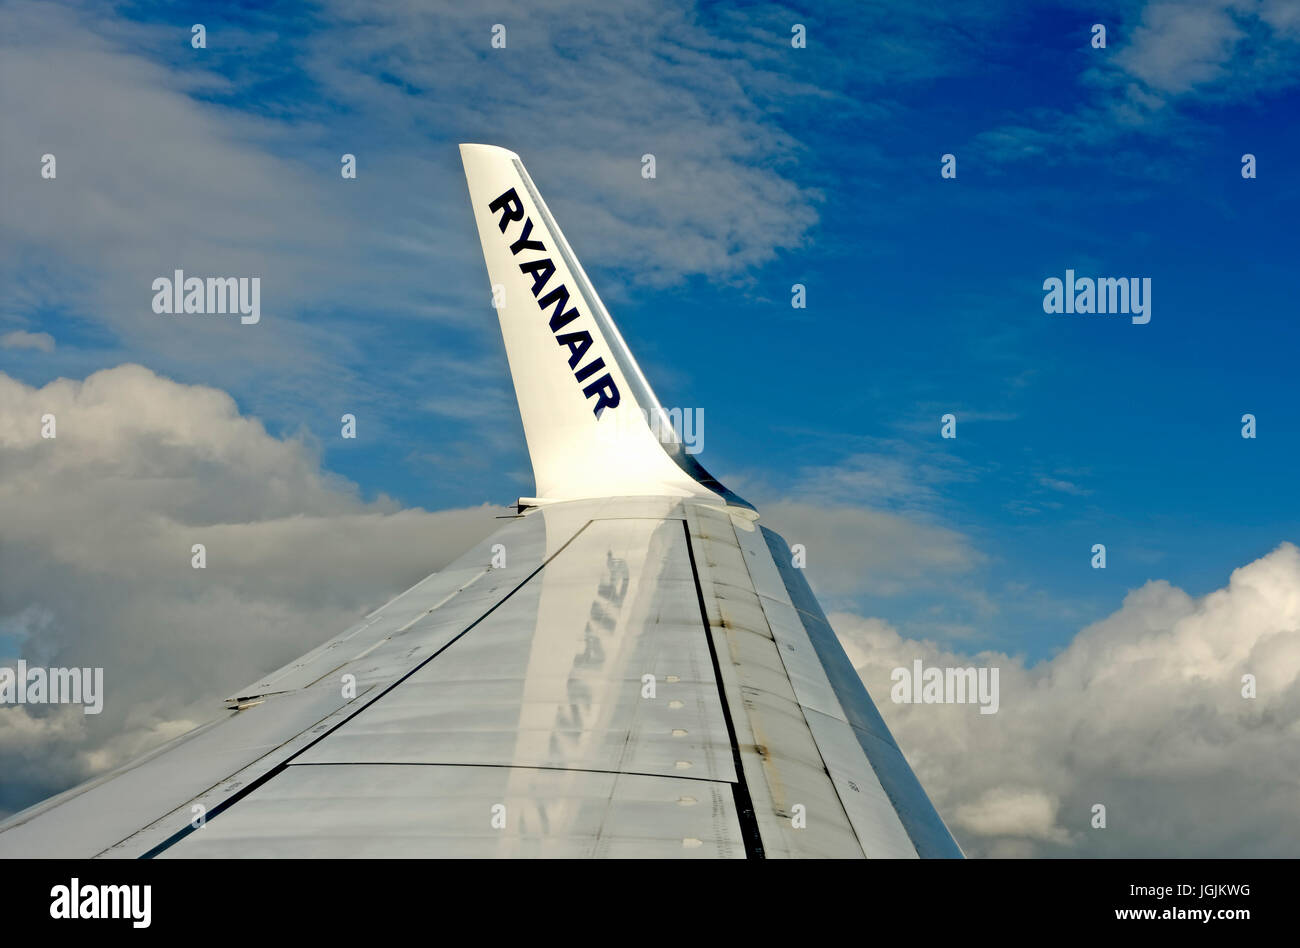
631, 667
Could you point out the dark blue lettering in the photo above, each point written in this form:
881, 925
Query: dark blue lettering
578, 343
512, 207
523, 243
607, 391
542, 270
560, 297
590, 369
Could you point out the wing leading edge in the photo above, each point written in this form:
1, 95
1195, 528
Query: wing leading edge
629, 668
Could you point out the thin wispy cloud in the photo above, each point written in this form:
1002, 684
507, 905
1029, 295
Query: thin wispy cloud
21, 339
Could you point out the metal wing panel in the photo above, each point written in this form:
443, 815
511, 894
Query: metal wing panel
415, 811
554, 678
926, 830
787, 679
878, 826
162, 785
159, 834
93, 817
782, 766
874, 819
468, 581
550, 682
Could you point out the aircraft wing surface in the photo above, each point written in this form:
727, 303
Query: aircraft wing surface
631, 667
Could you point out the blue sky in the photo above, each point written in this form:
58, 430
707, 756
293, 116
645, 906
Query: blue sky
775, 166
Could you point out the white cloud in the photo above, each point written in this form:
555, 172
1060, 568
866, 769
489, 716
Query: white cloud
154, 174
855, 551
1161, 57
1142, 712
582, 92
1217, 50
226, 162
1179, 46
149, 178
1222, 49
20, 339
1012, 812
872, 525
895, 474
95, 560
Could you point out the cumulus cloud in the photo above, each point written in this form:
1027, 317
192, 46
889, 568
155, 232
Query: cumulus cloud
1143, 712
95, 560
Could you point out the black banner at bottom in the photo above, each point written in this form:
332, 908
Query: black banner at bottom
256, 899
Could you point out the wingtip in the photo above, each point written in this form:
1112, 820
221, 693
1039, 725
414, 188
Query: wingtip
472, 148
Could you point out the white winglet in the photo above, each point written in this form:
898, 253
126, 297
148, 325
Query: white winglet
586, 406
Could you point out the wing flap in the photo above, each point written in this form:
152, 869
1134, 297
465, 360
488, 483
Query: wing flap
413, 811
